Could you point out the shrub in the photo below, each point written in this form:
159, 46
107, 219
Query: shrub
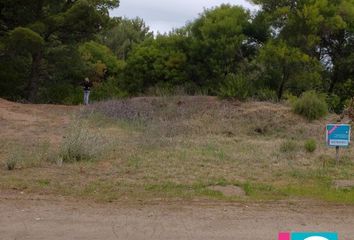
290, 99
266, 94
11, 164
235, 86
334, 103
106, 90
161, 90
13, 160
62, 94
80, 144
310, 145
311, 105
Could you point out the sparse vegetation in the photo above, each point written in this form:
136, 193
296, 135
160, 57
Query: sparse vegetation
38, 155
177, 147
288, 146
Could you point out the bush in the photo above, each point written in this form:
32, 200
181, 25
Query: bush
236, 86
107, 90
266, 94
290, 99
80, 144
15, 157
61, 93
310, 145
11, 164
311, 105
334, 103
75, 97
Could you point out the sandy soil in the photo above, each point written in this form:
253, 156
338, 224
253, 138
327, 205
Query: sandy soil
40, 218
20, 122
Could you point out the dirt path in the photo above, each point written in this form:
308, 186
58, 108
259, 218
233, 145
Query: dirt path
61, 219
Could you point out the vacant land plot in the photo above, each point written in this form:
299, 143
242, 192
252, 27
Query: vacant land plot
172, 148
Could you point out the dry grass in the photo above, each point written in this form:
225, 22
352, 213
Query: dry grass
81, 144
178, 146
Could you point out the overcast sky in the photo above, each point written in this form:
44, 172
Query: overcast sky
164, 15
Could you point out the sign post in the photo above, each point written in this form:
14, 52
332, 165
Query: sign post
337, 155
338, 136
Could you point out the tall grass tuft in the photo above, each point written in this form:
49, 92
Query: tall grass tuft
81, 144
310, 145
11, 163
14, 159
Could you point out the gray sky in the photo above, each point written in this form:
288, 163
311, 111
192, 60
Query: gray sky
164, 15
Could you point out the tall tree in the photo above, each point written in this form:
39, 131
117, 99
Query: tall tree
124, 34
288, 68
323, 29
157, 61
46, 24
222, 38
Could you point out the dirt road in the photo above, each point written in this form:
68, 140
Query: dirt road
54, 219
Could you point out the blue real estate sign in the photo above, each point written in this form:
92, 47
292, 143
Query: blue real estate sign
338, 135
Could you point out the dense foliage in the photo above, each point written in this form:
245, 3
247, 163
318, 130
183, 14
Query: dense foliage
287, 47
311, 105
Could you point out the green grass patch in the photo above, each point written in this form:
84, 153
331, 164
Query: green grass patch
43, 182
322, 192
318, 184
262, 191
310, 145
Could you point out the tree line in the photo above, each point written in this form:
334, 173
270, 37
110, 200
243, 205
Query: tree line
47, 47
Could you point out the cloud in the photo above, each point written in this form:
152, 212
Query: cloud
164, 15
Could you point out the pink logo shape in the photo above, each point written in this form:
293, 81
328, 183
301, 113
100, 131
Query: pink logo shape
284, 236
332, 130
